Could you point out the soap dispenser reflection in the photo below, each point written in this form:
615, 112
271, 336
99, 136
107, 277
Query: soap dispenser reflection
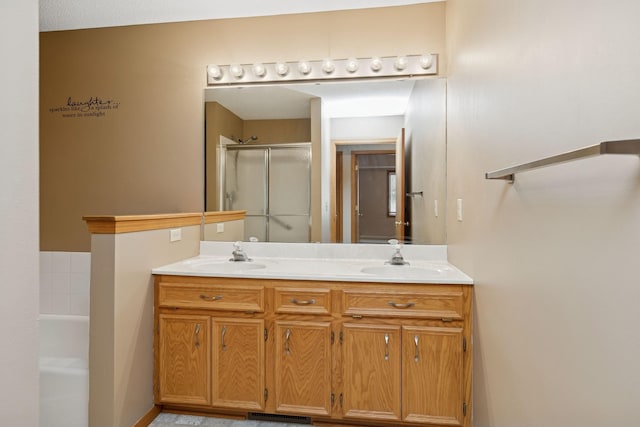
396, 258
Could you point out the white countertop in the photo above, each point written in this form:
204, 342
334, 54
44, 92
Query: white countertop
321, 261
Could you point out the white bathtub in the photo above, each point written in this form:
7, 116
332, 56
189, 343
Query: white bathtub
64, 371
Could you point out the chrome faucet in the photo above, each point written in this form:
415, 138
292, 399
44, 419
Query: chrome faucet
396, 258
238, 254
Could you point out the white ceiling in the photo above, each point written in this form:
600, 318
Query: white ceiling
58, 15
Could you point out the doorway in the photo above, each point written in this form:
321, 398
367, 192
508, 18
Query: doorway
373, 196
342, 187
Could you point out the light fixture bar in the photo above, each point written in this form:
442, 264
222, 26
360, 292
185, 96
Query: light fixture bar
325, 69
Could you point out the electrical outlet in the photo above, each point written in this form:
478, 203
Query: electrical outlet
176, 234
220, 227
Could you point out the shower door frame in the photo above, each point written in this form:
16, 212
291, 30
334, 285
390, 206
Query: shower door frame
267, 159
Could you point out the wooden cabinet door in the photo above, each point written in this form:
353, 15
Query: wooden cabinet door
371, 371
238, 363
184, 359
432, 375
303, 367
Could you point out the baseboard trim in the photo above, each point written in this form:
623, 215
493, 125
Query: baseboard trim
148, 417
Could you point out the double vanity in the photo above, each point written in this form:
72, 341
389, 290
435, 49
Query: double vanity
332, 334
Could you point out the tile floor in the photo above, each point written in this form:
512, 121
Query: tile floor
176, 420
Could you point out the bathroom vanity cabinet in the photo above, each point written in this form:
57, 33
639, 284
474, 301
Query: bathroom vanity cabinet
205, 357
340, 353
302, 350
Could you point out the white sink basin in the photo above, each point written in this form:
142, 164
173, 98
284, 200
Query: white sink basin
226, 266
404, 271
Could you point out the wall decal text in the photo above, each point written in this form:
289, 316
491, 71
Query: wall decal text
92, 107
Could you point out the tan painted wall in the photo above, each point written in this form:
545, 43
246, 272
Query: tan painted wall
233, 231
278, 131
554, 256
121, 328
146, 156
219, 121
316, 169
426, 141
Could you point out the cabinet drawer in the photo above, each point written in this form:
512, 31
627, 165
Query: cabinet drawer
302, 301
445, 304
212, 297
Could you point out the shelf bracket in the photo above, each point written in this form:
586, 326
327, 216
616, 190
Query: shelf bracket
627, 146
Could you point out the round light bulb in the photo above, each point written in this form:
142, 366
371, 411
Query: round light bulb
352, 65
426, 61
237, 71
328, 66
282, 69
401, 63
259, 70
215, 72
304, 67
376, 65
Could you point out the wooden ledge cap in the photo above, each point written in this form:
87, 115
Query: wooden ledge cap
223, 216
115, 224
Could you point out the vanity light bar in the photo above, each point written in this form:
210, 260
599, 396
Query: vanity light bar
352, 68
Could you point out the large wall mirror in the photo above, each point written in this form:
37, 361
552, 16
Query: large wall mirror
350, 162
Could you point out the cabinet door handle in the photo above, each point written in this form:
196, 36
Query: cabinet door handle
386, 346
415, 339
401, 305
224, 332
303, 302
287, 334
213, 298
196, 337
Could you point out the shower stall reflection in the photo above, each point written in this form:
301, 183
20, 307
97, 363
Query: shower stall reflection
273, 184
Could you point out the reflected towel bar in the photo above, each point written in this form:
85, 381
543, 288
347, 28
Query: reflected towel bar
414, 194
627, 146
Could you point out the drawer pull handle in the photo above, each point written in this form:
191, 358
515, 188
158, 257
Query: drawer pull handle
224, 332
213, 298
195, 336
287, 334
303, 302
401, 305
416, 358
386, 346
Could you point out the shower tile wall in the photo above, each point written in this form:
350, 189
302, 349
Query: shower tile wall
64, 282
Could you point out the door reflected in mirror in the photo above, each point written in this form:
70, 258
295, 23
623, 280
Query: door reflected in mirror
337, 121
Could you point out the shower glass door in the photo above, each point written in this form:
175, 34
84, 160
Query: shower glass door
246, 188
273, 184
289, 194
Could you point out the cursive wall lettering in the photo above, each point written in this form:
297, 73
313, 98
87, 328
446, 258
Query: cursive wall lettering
92, 107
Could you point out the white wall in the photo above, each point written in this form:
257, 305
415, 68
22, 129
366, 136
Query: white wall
554, 256
19, 213
366, 127
65, 280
